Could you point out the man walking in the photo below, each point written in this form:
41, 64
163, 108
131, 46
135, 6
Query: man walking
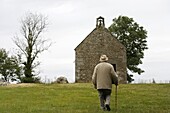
103, 78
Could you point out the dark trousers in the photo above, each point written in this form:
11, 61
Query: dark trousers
104, 96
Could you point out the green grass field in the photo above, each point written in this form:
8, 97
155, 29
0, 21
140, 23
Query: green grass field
82, 98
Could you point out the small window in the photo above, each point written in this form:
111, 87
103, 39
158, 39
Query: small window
114, 65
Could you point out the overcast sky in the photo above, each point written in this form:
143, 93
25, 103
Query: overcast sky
70, 21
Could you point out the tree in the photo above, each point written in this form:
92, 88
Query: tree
32, 44
133, 37
9, 66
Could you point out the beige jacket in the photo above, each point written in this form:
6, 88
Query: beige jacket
104, 75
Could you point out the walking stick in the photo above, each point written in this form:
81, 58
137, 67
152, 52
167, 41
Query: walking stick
116, 98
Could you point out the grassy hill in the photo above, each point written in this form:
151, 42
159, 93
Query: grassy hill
82, 98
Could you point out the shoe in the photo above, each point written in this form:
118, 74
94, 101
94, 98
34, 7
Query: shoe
104, 108
108, 107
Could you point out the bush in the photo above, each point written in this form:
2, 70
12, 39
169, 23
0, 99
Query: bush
30, 80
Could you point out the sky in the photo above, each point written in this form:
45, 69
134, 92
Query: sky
70, 21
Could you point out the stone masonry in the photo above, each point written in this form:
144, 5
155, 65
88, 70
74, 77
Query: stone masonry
87, 53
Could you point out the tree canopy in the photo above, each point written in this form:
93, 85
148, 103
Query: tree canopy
133, 37
9, 66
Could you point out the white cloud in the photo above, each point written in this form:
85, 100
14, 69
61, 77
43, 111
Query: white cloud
61, 9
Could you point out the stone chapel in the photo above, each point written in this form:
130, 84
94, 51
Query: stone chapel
87, 53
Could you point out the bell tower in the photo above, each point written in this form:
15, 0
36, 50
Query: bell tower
100, 22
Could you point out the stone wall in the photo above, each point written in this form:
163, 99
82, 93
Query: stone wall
87, 53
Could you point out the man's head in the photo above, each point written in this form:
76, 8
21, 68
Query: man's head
103, 58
